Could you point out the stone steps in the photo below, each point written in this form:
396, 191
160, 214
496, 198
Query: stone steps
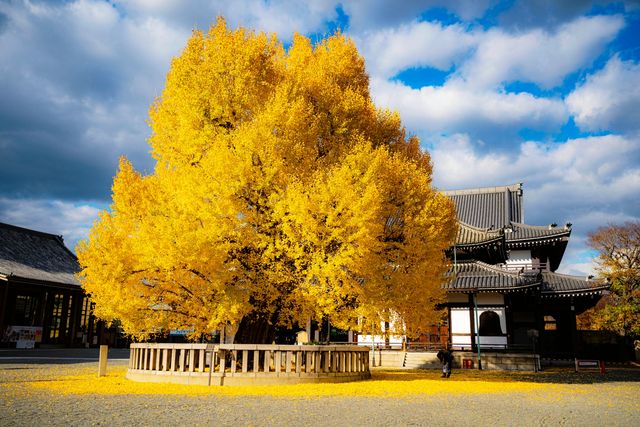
426, 360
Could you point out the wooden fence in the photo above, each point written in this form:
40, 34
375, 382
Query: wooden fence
244, 364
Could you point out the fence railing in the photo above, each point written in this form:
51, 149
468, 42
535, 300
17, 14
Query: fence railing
218, 364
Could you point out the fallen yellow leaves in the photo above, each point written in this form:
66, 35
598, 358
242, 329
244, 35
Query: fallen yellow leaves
383, 384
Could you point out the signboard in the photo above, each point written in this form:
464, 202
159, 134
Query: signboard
23, 336
180, 332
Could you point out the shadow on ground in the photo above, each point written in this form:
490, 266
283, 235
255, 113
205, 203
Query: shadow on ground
564, 375
57, 355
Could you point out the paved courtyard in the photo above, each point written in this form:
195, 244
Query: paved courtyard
67, 393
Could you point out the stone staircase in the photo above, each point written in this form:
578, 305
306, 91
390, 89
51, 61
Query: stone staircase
421, 360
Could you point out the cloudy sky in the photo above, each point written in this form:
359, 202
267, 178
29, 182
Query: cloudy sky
542, 92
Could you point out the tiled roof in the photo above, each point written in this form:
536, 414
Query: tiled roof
469, 235
489, 207
534, 232
36, 256
476, 276
479, 276
555, 284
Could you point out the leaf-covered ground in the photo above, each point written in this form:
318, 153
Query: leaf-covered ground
384, 382
72, 394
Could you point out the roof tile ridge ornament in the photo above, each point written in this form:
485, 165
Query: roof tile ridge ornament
517, 187
497, 231
551, 229
496, 269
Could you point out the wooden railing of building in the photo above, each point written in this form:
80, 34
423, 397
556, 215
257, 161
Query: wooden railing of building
244, 364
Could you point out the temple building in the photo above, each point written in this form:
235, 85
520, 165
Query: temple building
503, 291
41, 300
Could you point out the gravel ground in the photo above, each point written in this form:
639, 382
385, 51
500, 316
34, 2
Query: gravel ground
609, 403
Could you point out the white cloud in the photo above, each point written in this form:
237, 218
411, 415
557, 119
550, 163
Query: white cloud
608, 99
576, 175
71, 220
472, 100
417, 44
77, 79
539, 56
490, 58
456, 107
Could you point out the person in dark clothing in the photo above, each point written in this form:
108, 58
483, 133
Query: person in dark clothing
446, 358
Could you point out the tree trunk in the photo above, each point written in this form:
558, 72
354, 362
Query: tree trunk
255, 329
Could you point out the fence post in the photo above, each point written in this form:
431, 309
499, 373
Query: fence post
102, 361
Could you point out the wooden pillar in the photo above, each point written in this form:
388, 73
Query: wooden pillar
223, 361
201, 360
4, 292
298, 362
277, 361
287, 369
539, 319
245, 361
508, 318
307, 361
256, 361
64, 331
192, 360
574, 328
74, 315
472, 324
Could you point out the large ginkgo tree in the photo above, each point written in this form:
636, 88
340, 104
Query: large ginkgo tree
280, 193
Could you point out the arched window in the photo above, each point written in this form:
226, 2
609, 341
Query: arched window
490, 324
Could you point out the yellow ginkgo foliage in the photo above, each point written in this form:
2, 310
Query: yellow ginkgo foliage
281, 193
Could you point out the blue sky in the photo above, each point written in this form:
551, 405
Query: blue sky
542, 92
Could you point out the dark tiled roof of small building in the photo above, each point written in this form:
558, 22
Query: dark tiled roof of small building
555, 284
525, 232
478, 276
36, 256
489, 207
469, 235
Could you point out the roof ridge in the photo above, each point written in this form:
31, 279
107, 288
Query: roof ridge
30, 230
565, 227
481, 190
491, 267
573, 276
57, 237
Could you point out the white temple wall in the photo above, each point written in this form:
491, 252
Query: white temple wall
395, 340
461, 330
519, 258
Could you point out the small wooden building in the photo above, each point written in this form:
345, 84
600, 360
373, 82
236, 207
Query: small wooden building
503, 291
41, 300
